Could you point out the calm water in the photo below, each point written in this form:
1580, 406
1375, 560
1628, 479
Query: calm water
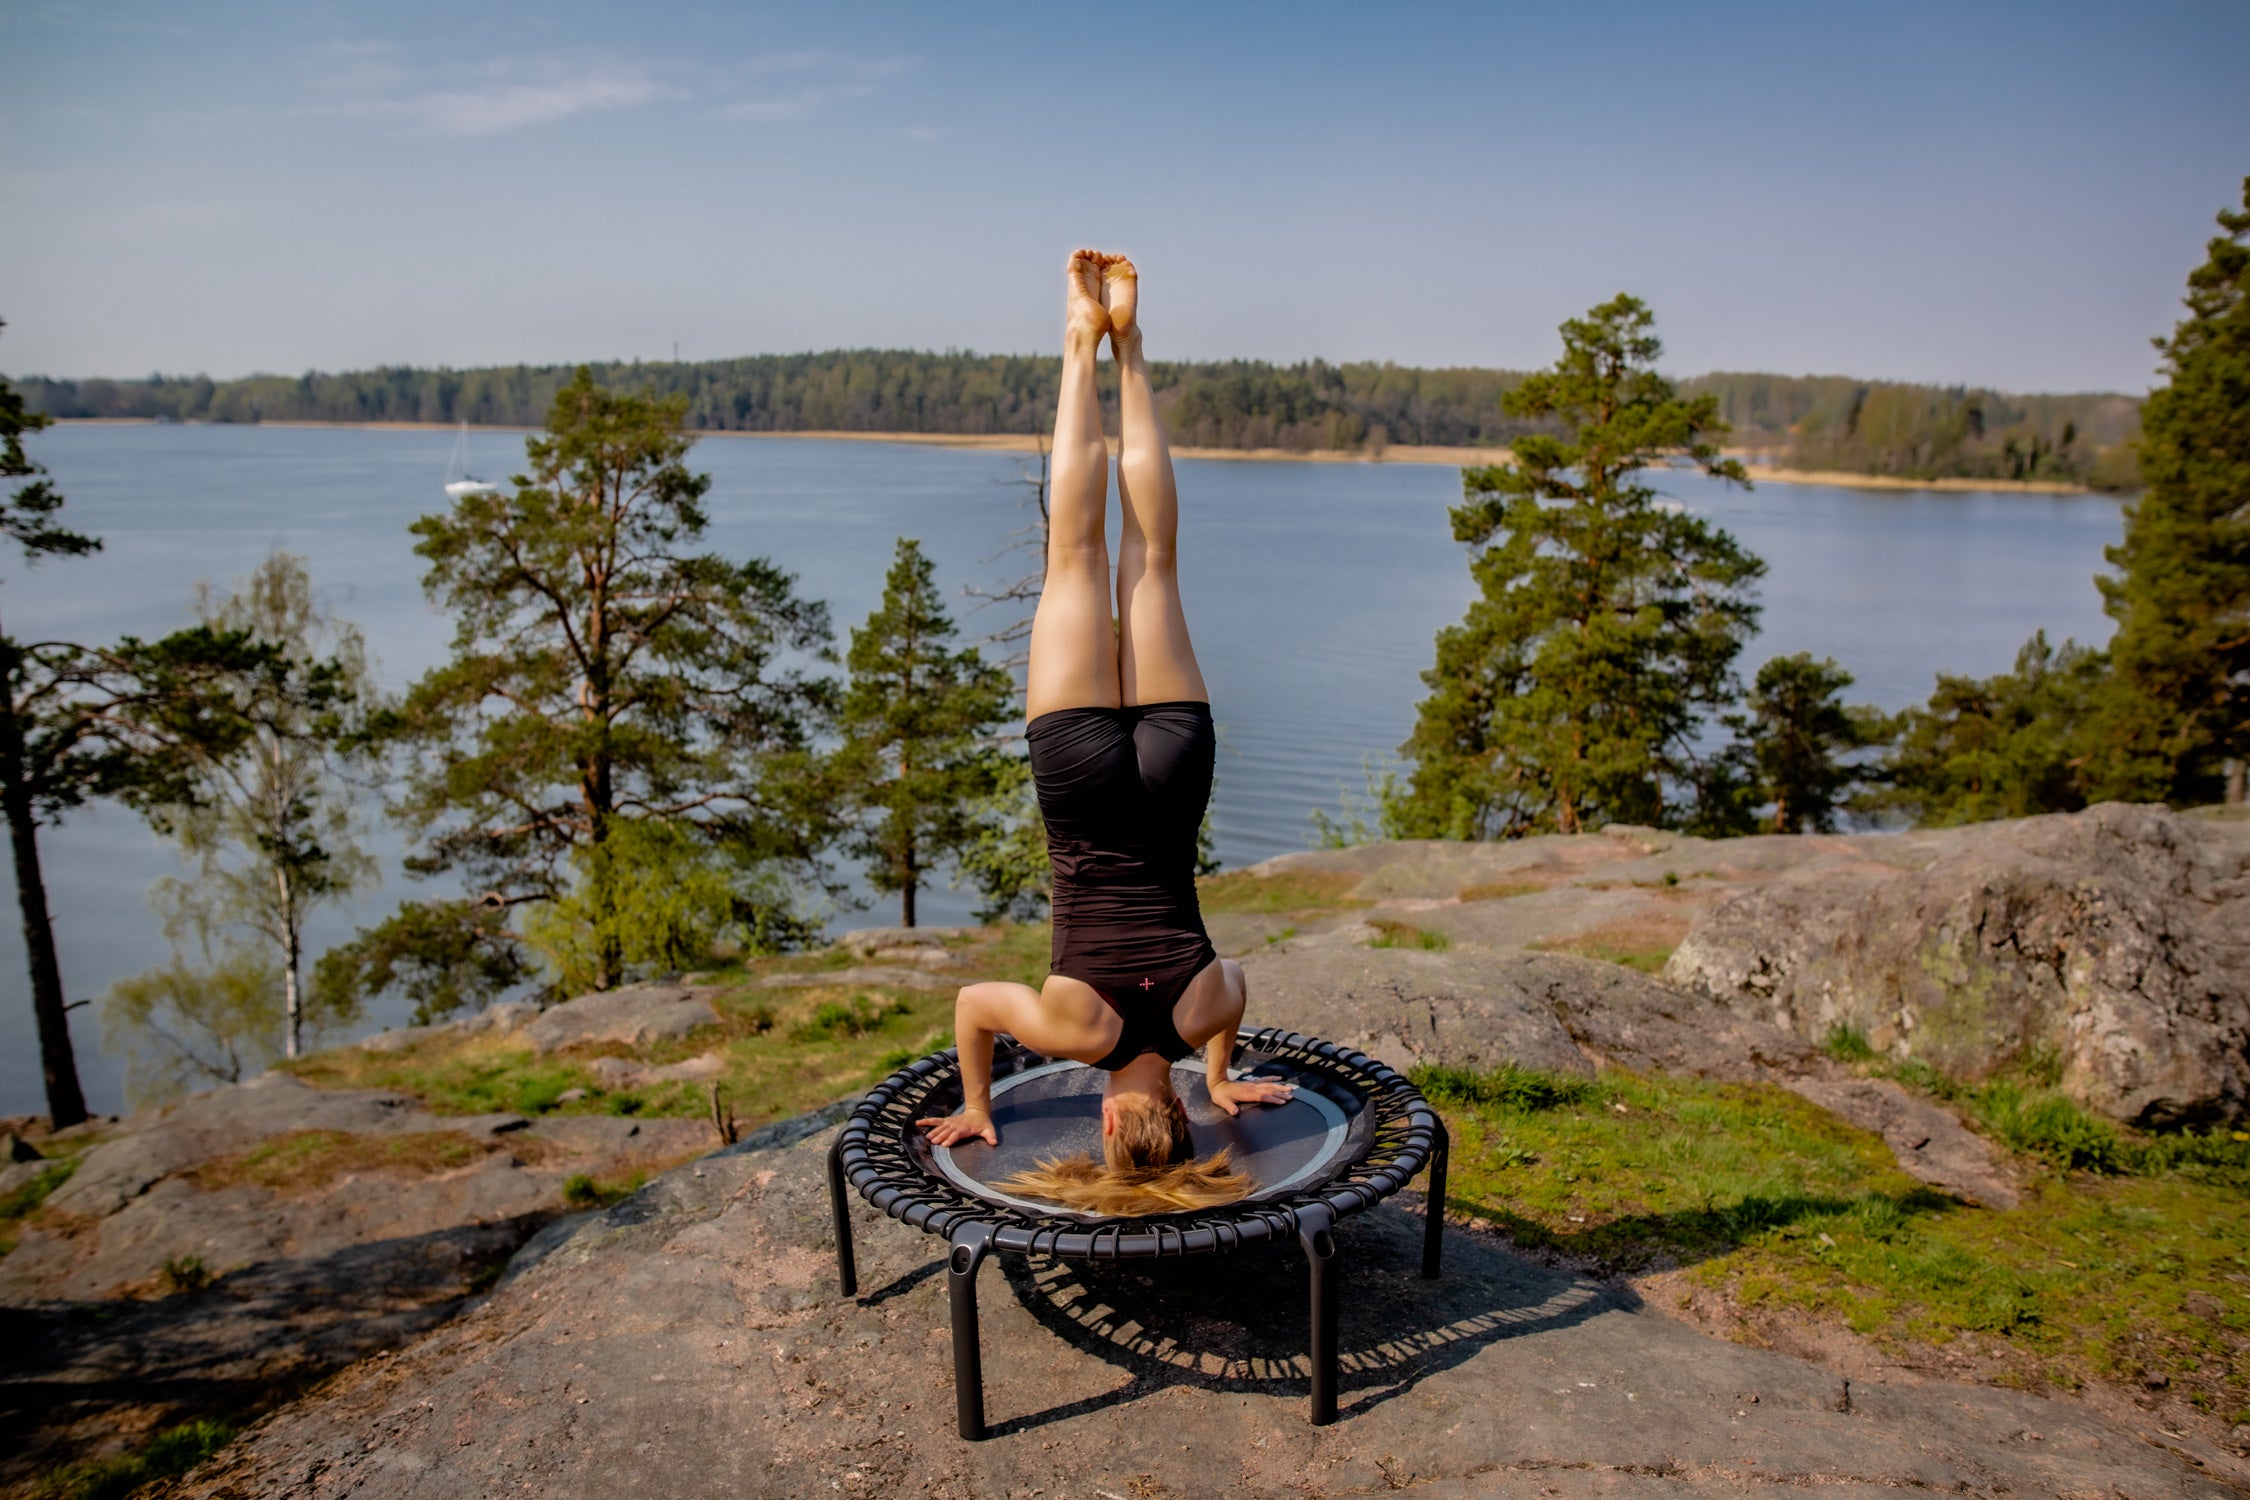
1314, 590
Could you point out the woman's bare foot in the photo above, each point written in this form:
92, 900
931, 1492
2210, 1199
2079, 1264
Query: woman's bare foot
1121, 294
1084, 317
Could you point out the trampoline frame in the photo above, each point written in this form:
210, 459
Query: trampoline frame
870, 1156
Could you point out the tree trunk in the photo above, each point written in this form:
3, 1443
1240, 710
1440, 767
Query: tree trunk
2235, 787
66, 1103
292, 953
906, 891
609, 957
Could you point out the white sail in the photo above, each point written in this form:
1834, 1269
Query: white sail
467, 484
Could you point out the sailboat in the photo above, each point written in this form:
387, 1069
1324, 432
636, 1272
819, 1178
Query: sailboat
467, 484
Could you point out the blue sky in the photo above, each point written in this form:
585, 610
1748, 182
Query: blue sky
2002, 194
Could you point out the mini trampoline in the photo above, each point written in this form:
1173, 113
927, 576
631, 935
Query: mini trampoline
1355, 1133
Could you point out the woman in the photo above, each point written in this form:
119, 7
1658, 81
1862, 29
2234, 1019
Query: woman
1121, 752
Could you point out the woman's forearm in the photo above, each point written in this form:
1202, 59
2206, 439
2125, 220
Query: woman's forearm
974, 1042
1218, 1053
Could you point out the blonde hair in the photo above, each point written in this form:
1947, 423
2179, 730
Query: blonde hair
1148, 1167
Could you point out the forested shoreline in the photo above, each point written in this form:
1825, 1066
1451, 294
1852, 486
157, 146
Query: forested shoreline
1825, 422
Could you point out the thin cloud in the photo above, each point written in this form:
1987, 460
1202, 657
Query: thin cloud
506, 103
836, 62
829, 78
793, 106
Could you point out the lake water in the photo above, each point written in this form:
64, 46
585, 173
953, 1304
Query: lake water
1314, 590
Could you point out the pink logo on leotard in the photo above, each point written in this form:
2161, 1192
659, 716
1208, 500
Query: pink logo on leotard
1148, 984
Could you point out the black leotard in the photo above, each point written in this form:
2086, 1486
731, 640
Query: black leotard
1123, 792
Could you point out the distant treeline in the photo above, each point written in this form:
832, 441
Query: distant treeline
1927, 431
1812, 422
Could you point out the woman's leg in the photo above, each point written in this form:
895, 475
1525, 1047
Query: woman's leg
1073, 645
1084, 1031
1156, 660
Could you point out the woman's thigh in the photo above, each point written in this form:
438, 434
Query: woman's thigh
1063, 1018
1073, 643
1211, 1003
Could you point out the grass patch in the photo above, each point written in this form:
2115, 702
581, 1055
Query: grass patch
1500, 890
184, 1273
2042, 1122
22, 1200
475, 1075
1283, 891
862, 1015
171, 1452
1643, 943
1392, 933
2026, 1112
582, 1191
307, 1159
1649, 958
782, 1050
1507, 1087
1788, 1211
1847, 1044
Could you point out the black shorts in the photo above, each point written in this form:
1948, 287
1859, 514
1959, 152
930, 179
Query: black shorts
1123, 791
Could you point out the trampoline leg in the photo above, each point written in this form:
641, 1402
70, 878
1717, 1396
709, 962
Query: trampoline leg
840, 1205
1433, 1210
970, 1244
1316, 1232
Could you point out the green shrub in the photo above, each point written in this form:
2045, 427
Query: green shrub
1938, 1084
836, 1020
1391, 933
175, 1450
582, 1191
185, 1273
1848, 1044
1505, 1087
2221, 1155
2047, 1124
27, 1196
662, 897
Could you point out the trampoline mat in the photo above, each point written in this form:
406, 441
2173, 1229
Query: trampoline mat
1054, 1109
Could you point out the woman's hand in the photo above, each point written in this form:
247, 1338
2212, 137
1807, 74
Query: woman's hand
1233, 1093
952, 1130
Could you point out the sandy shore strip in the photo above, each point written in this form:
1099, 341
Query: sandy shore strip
1395, 453
1842, 479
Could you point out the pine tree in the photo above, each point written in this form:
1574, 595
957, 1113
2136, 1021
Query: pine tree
2007, 746
1797, 736
2177, 723
1607, 621
603, 669
27, 519
918, 716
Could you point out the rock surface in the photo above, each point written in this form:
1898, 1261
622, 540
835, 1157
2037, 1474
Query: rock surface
914, 945
692, 1343
1925, 1137
137, 1201
689, 1341
1470, 1008
635, 1016
209, 1282
2117, 939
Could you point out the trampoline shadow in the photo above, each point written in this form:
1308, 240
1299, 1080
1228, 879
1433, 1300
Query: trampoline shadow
1237, 1324
899, 1286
